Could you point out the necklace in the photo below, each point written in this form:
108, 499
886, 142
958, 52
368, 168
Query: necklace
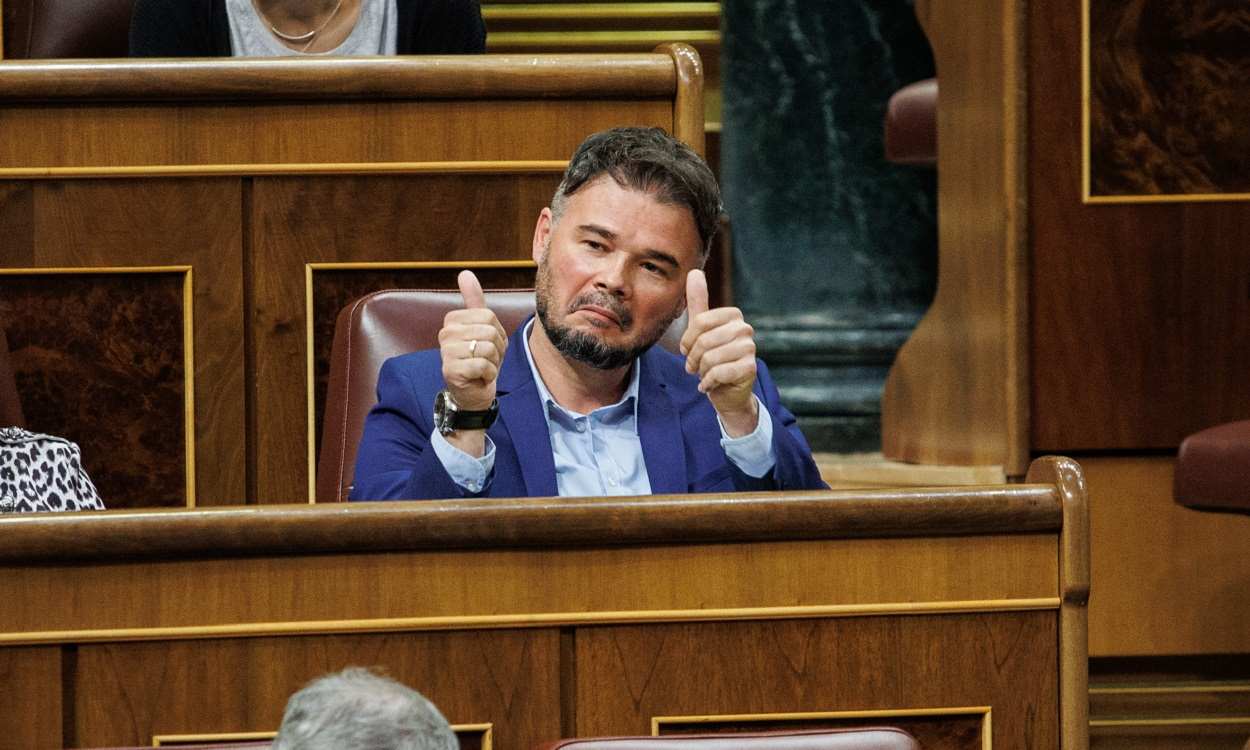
309, 36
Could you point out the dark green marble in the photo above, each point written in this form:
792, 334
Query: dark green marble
834, 248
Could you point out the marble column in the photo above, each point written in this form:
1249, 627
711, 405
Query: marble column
834, 248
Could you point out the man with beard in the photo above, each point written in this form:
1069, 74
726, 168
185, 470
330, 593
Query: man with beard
578, 402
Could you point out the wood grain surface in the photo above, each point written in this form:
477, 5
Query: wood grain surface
35, 675
1169, 580
863, 664
956, 393
126, 694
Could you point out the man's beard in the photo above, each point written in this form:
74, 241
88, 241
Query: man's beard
586, 347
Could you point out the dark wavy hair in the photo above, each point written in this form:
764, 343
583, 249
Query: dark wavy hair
650, 160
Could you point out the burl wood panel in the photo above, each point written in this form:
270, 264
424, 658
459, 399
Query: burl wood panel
1169, 97
145, 223
430, 218
128, 692
333, 290
627, 675
31, 680
1139, 314
95, 357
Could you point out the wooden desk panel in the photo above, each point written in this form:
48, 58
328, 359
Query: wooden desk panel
575, 616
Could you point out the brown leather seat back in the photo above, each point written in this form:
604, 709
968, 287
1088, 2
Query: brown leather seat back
36, 29
10, 406
868, 738
911, 125
375, 328
1213, 469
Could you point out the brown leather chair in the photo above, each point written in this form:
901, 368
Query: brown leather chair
10, 406
1213, 469
375, 328
911, 125
66, 28
867, 738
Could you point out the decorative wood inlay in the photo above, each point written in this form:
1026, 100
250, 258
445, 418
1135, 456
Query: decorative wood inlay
65, 340
1165, 101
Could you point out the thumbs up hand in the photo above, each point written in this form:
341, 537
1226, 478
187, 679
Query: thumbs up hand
472, 344
720, 348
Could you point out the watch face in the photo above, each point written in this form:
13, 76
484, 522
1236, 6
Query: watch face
444, 409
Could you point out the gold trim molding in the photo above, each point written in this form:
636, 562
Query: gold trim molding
175, 740
310, 373
188, 343
527, 620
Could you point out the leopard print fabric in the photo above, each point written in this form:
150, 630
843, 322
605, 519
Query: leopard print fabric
42, 473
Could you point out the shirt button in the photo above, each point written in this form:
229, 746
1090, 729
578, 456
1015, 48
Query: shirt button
611, 482
581, 426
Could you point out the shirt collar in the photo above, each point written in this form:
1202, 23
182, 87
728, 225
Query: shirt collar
627, 406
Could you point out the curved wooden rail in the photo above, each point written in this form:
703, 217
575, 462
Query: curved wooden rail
425, 77
534, 522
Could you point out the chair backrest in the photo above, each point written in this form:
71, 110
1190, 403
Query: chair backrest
866, 738
66, 28
10, 406
375, 328
1213, 469
911, 125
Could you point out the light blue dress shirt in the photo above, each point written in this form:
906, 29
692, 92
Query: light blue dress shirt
599, 454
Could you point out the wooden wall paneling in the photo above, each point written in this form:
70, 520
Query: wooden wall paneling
301, 224
1215, 267
1131, 713
956, 393
862, 664
127, 693
102, 224
17, 216
1139, 311
1193, 598
31, 680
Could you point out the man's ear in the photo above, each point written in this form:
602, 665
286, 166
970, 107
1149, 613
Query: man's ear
542, 234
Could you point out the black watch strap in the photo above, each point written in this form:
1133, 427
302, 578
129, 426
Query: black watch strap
449, 417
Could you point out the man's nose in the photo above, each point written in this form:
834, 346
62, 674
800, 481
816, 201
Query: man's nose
613, 276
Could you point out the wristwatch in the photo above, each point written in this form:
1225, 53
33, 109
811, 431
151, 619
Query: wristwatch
448, 417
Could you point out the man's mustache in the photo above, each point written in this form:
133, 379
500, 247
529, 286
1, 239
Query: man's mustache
607, 302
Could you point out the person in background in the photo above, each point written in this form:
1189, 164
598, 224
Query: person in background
358, 710
578, 402
270, 28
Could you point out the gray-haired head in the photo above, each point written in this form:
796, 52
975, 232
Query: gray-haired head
358, 710
650, 160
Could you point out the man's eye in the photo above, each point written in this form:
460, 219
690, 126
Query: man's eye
655, 269
593, 245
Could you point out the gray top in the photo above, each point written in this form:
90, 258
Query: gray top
373, 34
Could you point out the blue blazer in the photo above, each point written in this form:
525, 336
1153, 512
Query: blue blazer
677, 427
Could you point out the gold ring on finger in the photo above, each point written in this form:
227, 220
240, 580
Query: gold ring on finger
473, 348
